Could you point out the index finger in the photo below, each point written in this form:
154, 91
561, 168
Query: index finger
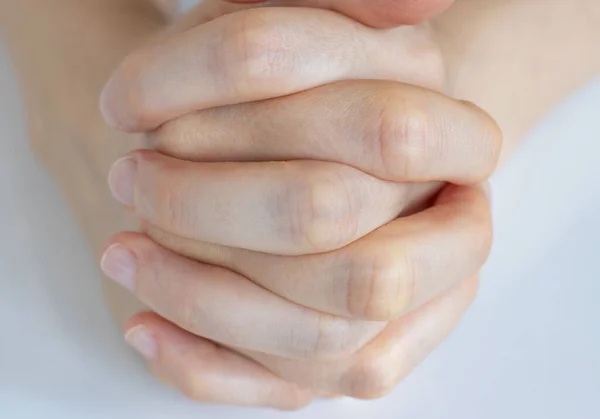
260, 54
375, 13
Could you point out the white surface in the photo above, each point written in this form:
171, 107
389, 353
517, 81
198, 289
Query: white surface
530, 347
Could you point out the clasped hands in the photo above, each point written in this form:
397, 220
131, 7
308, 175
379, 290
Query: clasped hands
313, 215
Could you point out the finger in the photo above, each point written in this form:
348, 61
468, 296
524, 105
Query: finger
225, 307
394, 131
258, 54
377, 369
391, 271
372, 372
206, 372
376, 13
282, 207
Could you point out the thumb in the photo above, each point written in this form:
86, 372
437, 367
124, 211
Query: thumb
375, 13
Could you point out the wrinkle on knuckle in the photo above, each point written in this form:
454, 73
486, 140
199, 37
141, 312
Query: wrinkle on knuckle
371, 377
401, 136
255, 51
379, 286
320, 212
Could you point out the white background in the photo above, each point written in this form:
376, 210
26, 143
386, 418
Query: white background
529, 348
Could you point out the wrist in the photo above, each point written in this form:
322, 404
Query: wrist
492, 48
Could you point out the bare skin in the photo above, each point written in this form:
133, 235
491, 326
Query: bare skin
474, 41
281, 187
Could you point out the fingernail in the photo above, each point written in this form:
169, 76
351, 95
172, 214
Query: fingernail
119, 264
107, 98
121, 180
142, 340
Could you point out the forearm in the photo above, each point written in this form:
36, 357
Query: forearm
63, 51
519, 58
75, 27
502, 55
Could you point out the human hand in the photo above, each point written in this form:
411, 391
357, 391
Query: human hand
262, 311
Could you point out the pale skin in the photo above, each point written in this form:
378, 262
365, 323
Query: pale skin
358, 345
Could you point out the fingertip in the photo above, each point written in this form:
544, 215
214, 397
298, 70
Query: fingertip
122, 104
108, 97
143, 340
206, 372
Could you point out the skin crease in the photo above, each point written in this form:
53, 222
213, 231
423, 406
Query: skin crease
327, 364
55, 132
139, 98
199, 297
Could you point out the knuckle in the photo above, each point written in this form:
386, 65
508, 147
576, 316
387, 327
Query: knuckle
370, 378
193, 386
380, 284
401, 135
320, 212
254, 51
